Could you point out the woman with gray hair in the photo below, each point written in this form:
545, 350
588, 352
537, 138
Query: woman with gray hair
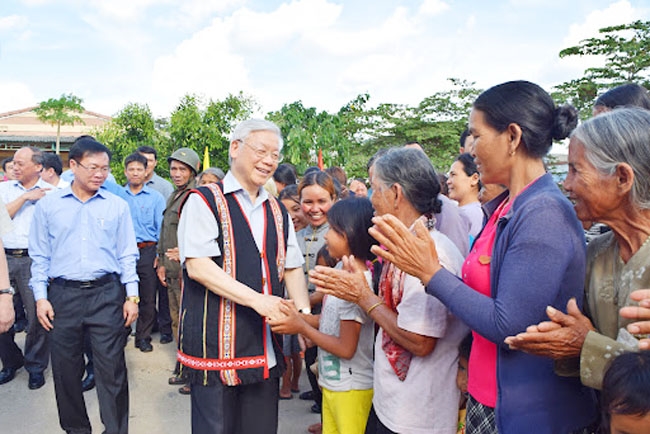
416, 349
609, 182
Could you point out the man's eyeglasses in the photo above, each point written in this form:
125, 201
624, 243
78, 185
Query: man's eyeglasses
263, 153
104, 170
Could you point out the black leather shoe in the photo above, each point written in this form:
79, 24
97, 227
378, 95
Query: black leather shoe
20, 326
8, 374
315, 408
145, 346
36, 381
166, 338
88, 383
307, 396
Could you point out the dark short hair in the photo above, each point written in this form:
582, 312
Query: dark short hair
352, 218
311, 169
290, 192
85, 146
5, 162
626, 95
147, 150
532, 108
463, 136
135, 157
469, 166
626, 386
286, 174
53, 161
376, 155
339, 174
465, 346
325, 254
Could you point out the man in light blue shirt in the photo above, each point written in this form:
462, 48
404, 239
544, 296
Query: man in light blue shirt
147, 208
20, 198
84, 252
152, 179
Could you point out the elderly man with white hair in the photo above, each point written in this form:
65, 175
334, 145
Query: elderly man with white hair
239, 250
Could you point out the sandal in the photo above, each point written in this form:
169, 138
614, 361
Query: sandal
176, 380
185, 390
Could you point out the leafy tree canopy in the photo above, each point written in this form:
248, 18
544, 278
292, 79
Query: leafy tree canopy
60, 111
626, 52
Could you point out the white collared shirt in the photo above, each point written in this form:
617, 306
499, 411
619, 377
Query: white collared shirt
10, 191
198, 233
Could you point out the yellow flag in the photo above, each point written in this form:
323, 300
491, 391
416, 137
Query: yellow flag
206, 159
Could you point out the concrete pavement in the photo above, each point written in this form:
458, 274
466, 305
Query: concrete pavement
155, 406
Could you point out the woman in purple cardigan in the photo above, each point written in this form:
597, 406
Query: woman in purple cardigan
529, 255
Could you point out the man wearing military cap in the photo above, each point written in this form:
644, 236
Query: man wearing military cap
183, 167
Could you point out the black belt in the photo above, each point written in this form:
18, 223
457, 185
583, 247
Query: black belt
17, 252
87, 284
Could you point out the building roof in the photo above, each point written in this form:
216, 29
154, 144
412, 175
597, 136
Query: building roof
25, 123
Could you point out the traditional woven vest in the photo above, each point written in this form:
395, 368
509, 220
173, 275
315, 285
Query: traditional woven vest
219, 339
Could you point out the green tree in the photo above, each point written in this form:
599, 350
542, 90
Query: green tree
306, 131
131, 127
436, 123
195, 125
60, 111
626, 52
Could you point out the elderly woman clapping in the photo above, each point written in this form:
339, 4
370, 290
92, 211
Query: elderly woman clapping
530, 254
416, 348
609, 181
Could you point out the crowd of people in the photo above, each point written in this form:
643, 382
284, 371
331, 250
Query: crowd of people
418, 302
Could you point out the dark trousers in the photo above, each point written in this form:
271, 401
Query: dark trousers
98, 313
147, 290
246, 409
10, 353
37, 351
374, 425
162, 315
311, 355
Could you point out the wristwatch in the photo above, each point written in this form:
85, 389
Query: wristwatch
10, 291
305, 310
134, 298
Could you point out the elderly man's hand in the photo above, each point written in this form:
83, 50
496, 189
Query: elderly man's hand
640, 312
413, 253
7, 312
35, 194
562, 338
348, 284
292, 323
268, 306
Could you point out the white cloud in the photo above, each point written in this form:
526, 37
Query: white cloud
12, 22
15, 95
620, 12
204, 64
127, 10
36, 2
617, 13
433, 7
218, 59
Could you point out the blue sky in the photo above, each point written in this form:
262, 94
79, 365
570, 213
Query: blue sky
323, 52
